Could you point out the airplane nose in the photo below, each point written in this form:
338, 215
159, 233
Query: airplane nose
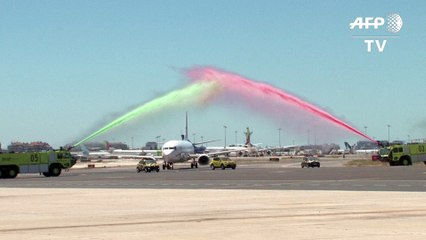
167, 155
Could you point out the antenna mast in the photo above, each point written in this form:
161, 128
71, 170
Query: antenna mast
186, 127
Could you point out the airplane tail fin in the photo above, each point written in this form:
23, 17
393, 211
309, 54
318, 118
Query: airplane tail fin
84, 150
107, 146
185, 135
348, 146
186, 126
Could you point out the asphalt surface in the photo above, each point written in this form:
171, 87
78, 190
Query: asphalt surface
272, 176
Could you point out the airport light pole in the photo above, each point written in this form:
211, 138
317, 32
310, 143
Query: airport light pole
279, 137
309, 137
315, 138
193, 136
365, 130
158, 142
236, 138
225, 127
389, 132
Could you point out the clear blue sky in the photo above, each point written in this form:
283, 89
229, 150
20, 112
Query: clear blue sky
68, 67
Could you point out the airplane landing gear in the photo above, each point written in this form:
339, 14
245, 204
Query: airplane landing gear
194, 164
168, 166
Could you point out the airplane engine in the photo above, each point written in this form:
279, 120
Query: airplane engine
203, 159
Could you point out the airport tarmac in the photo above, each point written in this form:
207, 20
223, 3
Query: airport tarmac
269, 201
283, 175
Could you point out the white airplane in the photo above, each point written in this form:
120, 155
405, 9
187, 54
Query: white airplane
135, 153
367, 151
86, 154
183, 150
364, 147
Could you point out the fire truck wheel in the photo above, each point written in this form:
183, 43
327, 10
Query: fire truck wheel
55, 170
405, 162
12, 172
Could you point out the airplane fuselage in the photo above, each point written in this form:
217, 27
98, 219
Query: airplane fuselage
177, 151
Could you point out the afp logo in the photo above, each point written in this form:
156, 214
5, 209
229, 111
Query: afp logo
393, 25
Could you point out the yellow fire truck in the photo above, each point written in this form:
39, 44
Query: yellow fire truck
407, 154
49, 163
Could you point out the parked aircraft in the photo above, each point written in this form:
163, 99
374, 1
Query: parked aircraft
367, 147
87, 155
249, 149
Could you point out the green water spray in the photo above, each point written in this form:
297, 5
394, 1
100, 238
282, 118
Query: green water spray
196, 94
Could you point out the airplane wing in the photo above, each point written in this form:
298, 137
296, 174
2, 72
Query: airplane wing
138, 156
209, 141
214, 154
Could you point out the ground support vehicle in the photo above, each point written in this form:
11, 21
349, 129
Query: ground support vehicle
407, 154
222, 163
310, 162
49, 163
148, 164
